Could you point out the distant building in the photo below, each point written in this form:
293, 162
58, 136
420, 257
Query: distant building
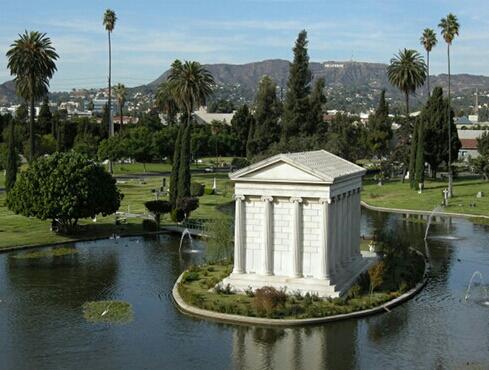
202, 117
468, 139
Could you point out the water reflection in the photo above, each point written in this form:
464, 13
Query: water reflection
327, 347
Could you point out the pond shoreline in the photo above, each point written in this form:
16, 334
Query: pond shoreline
190, 310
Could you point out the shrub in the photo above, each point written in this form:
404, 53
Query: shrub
219, 239
376, 274
209, 191
267, 299
197, 189
189, 276
177, 215
150, 225
64, 187
158, 208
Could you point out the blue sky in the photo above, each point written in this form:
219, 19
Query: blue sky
150, 34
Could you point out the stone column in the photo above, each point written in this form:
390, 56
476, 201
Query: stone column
239, 230
358, 217
338, 231
344, 229
267, 236
351, 225
297, 237
325, 250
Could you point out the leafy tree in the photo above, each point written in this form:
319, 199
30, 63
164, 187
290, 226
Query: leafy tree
22, 113
435, 117
483, 115
113, 148
140, 145
64, 187
483, 144
106, 118
47, 144
480, 165
120, 92
164, 142
31, 58
109, 23
267, 112
241, 124
296, 107
12, 164
87, 144
45, 118
449, 30
376, 276
429, 41
412, 156
346, 138
419, 168
250, 144
407, 72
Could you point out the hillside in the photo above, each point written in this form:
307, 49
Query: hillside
7, 92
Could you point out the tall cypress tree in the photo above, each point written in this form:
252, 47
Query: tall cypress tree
241, 123
12, 160
317, 100
176, 166
296, 108
267, 113
45, 118
184, 170
250, 145
379, 131
412, 156
419, 176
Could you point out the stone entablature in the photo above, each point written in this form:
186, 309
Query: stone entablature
296, 226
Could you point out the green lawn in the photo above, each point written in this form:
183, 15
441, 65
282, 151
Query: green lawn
395, 194
16, 230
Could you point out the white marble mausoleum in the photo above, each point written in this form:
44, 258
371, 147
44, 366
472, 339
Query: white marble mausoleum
297, 224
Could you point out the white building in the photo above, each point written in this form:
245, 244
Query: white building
297, 224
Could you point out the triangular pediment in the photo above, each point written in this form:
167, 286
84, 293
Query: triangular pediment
280, 171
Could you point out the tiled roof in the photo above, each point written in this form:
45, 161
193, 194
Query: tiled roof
321, 163
469, 143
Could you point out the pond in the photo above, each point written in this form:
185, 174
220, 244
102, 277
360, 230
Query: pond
42, 324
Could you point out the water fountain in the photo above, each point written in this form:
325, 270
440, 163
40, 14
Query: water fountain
186, 232
435, 210
485, 297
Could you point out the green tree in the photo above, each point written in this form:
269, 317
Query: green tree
45, 118
483, 144
449, 30
184, 177
64, 187
191, 84
419, 168
158, 208
12, 164
166, 102
176, 166
31, 58
241, 124
435, 117
317, 101
113, 148
483, 114
429, 41
379, 130
296, 107
87, 144
140, 145
267, 114
120, 92
109, 23
407, 72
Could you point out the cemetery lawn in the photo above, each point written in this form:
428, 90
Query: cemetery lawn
394, 194
17, 230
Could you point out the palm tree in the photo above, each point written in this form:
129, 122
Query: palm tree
449, 29
31, 58
429, 41
120, 92
109, 24
166, 102
407, 72
190, 86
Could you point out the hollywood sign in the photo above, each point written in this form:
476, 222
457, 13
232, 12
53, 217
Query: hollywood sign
333, 65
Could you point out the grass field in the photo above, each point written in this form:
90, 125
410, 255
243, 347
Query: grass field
16, 230
395, 194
